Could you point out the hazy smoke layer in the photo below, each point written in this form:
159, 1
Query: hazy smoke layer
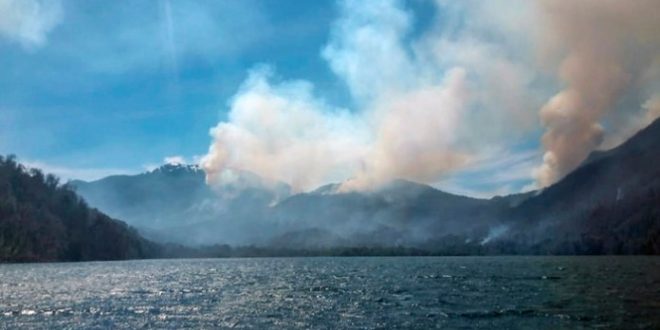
283, 133
606, 47
432, 103
415, 135
405, 128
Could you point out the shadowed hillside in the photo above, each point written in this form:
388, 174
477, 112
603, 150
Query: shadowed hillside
609, 205
42, 220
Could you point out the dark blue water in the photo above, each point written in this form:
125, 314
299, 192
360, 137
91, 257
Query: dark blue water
330, 293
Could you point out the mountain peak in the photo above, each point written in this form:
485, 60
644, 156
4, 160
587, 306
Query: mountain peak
177, 168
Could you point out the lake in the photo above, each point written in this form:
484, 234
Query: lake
331, 293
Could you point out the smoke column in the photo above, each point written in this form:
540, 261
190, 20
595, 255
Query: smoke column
432, 104
605, 48
405, 126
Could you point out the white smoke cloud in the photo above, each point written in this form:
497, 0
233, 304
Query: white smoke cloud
404, 128
282, 132
366, 50
499, 64
28, 22
415, 134
417, 106
432, 104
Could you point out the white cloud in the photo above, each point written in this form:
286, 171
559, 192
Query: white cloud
28, 22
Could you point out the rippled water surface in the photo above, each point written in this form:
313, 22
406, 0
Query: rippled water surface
329, 293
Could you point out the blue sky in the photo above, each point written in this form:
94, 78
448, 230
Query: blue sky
92, 88
110, 89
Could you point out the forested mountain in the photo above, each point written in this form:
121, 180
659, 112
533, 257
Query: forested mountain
401, 213
610, 204
171, 195
174, 204
43, 220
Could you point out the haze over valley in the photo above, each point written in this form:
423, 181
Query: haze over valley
438, 126
442, 127
330, 164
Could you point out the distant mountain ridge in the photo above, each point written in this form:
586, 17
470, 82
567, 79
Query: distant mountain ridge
608, 205
402, 212
173, 203
152, 198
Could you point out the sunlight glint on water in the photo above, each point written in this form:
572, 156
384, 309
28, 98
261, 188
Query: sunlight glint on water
454, 292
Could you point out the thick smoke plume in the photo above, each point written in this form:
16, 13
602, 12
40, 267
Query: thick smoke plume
606, 48
283, 133
405, 127
436, 101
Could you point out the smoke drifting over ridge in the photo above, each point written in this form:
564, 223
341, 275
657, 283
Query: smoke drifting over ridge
432, 105
281, 131
606, 48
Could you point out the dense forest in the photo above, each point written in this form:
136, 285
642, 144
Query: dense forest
43, 220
